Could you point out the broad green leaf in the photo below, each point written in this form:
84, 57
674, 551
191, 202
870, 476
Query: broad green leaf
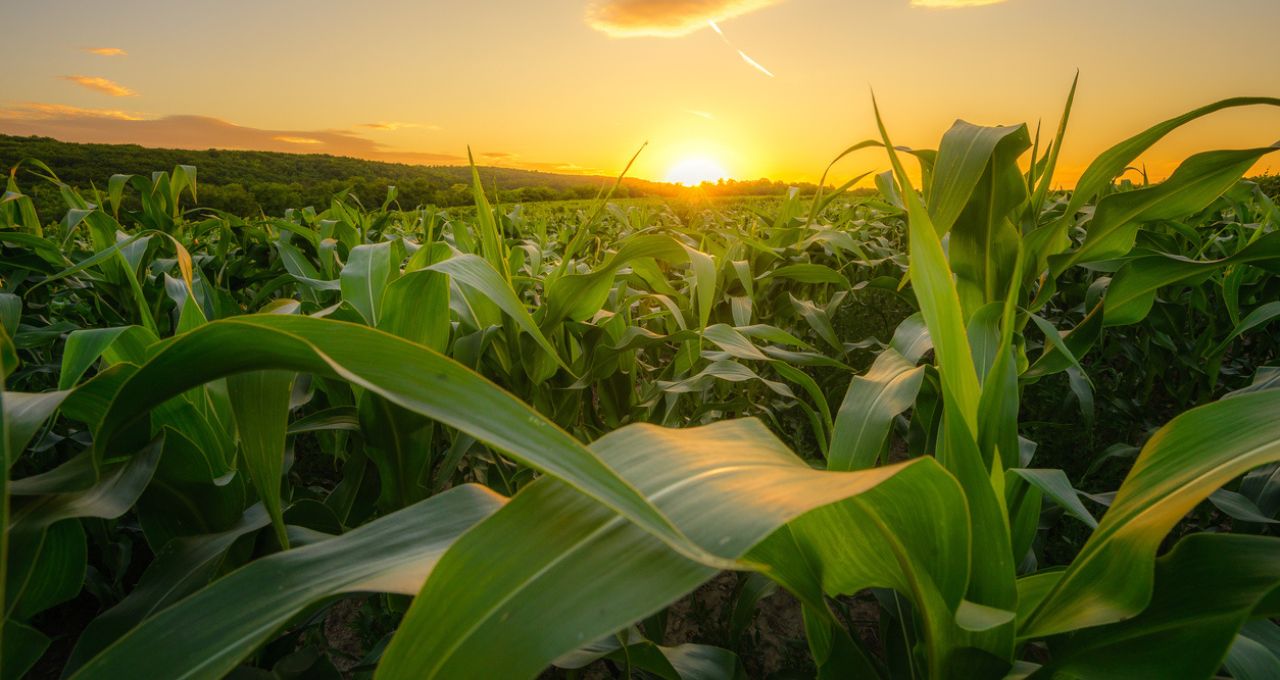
868, 409
206, 634
84, 347
260, 401
416, 308
730, 371
420, 380
1255, 653
1204, 591
475, 272
1261, 315
398, 441
1238, 506
808, 273
681, 662
1189, 458
364, 279
1056, 485
20, 649
579, 296
46, 559
964, 156
1133, 289
181, 568
931, 277
1113, 161
587, 572
25, 413
976, 187
1193, 185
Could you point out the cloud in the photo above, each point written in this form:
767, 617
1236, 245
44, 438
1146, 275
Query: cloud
508, 159
700, 114
101, 85
953, 4
34, 111
665, 18
391, 126
73, 124
106, 51
296, 140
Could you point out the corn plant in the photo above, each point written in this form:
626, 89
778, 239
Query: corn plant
544, 428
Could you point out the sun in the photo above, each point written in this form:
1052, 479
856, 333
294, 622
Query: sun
695, 170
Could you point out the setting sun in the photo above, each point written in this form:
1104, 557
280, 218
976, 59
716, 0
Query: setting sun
696, 170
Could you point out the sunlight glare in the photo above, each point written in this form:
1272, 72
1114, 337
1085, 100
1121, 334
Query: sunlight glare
696, 170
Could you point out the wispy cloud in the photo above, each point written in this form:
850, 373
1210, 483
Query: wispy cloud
509, 159
102, 85
75, 124
665, 18
700, 114
953, 4
752, 62
393, 125
32, 111
290, 139
106, 51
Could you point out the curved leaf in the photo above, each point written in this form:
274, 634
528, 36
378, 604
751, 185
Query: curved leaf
1182, 464
208, 633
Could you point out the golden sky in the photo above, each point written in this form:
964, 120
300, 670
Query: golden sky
757, 88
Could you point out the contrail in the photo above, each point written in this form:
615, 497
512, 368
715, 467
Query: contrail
755, 64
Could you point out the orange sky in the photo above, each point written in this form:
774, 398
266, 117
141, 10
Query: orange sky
577, 86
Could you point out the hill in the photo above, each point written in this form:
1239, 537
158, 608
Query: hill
250, 182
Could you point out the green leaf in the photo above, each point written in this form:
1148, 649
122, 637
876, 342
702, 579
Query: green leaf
976, 187
935, 288
260, 401
369, 270
1255, 653
1205, 589
181, 568
25, 413
1261, 315
480, 275
209, 632
416, 308
20, 649
47, 548
873, 400
1055, 484
681, 662
84, 347
1182, 464
586, 572
1113, 161
580, 296
420, 380
1193, 185
808, 273
1133, 289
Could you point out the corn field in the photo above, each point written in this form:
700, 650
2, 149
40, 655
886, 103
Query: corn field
512, 437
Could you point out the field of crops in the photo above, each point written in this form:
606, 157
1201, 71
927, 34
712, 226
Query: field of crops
968, 426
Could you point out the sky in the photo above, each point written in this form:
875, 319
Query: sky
741, 88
